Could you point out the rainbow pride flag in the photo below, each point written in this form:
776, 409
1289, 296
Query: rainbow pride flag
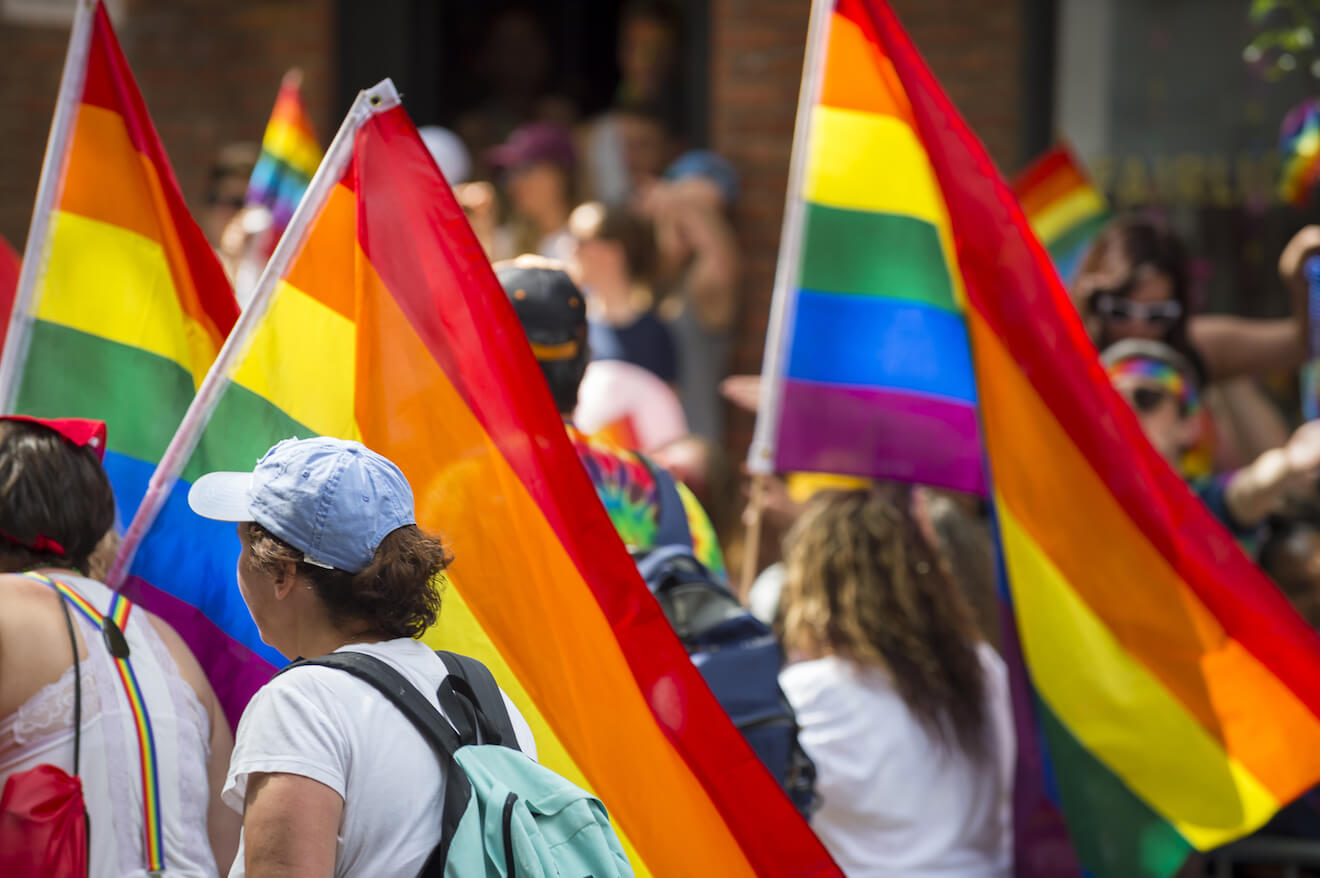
381, 320
121, 304
1175, 694
289, 156
868, 337
10, 266
1063, 207
1299, 152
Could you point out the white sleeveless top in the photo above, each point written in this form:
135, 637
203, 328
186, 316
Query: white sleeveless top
41, 731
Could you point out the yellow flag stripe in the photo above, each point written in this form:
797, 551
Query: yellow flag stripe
107, 281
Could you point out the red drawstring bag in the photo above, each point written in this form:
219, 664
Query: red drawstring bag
43, 818
43, 825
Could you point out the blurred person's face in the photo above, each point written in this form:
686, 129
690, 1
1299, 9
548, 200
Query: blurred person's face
600, 264
646, 55
1136, 303
537, 189
262, 592
223, 205
645, 147
1170, 429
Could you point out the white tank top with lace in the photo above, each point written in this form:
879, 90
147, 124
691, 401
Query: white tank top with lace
41, 731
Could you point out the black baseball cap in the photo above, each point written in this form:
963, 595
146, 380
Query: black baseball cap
549, 305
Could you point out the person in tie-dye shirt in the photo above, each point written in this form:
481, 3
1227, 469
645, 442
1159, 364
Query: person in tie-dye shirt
553, 313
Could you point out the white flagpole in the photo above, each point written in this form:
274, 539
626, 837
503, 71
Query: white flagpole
37, 248
377, 99
761, 454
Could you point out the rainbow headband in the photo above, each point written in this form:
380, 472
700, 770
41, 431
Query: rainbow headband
1161, 373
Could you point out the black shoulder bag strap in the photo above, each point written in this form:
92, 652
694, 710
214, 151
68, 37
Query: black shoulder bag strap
433, 727
77, 683
77, 709
470, 690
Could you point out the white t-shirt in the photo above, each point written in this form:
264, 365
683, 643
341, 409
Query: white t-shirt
328, 725
893, 802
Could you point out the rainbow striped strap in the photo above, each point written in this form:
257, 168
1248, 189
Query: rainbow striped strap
112, 625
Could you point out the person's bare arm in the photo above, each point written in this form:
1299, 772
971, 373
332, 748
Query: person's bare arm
1247, 423
223, 824
713, 276
1235, 346
290, 827
1257, 489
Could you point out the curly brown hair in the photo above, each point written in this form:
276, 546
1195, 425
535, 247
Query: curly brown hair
864, 585
396, 595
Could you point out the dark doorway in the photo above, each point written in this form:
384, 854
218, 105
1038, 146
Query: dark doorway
440, 55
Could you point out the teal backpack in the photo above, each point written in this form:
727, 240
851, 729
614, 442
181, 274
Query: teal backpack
505, 816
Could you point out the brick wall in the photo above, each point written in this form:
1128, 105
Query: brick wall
974, 47
208, 70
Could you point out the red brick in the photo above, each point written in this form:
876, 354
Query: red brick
208, 72
974, 47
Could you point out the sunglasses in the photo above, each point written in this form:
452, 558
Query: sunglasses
1114, 306
1148, 399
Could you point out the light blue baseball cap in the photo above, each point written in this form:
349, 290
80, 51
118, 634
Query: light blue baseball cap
332, 499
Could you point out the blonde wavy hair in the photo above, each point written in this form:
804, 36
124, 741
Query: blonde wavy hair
863, 584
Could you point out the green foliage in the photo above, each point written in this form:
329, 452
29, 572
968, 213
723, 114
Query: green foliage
1285, 38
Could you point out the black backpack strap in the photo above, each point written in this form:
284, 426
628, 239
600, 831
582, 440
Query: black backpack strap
432, 726
672, 528
394, 686
470, 690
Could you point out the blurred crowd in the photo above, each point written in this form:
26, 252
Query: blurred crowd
616, 245
643, 222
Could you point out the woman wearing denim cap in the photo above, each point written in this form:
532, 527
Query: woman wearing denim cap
331, 778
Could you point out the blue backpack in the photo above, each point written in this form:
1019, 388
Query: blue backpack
736, 653
504, 814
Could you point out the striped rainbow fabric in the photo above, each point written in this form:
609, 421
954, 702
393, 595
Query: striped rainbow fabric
1064, 208
10, 265
130, 305
878, 376
388, 326
289, 156
1176, 691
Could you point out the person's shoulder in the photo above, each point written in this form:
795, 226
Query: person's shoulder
24, 600
17, 587
814, 678
832, 690
186, 664
691, 504
837, 676
404, 654
309, 687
